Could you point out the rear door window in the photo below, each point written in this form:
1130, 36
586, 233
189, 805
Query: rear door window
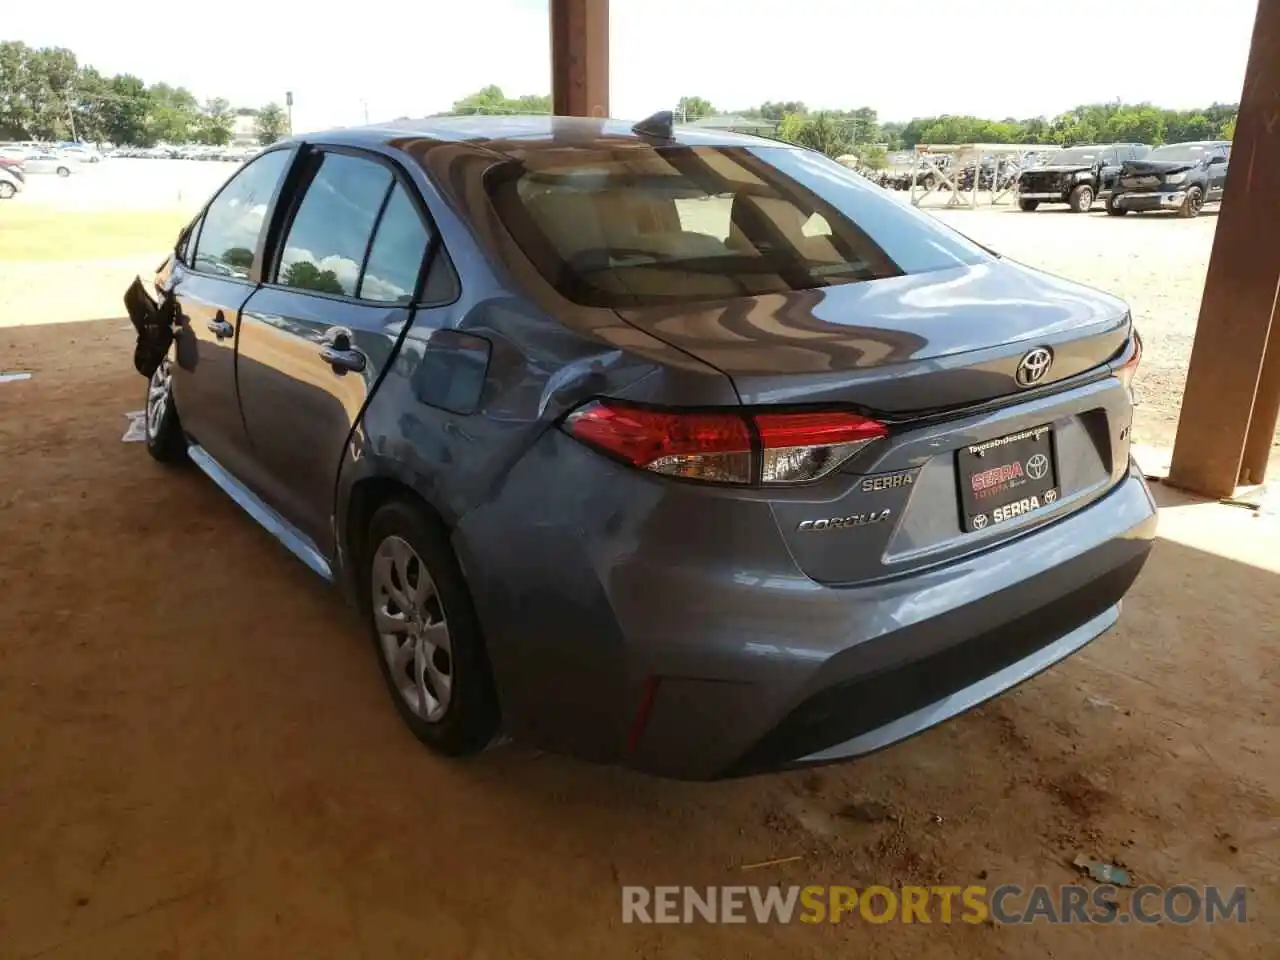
233, 223
397, 252
638, 224
325, 247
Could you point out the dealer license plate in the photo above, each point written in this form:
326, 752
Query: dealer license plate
1007, 478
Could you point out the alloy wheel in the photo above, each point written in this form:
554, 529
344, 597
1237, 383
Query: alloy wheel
158, 398
410, 622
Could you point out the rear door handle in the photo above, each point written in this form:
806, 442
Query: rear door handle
342, 360
220, 327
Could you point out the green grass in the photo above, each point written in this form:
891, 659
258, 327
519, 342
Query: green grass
41, 233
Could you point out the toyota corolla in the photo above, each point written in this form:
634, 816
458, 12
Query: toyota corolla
676, 449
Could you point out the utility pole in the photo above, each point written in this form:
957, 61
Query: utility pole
288, 102
71, 116
364, 105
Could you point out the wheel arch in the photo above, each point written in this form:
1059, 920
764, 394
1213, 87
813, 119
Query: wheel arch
363, 499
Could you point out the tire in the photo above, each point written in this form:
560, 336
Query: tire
165, 440
64, 171
1028, 206
420, 661
1081, 199
7, 190
1112, 209
1192, 204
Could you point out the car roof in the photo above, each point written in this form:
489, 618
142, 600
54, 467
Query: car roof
504, 134
1199, 143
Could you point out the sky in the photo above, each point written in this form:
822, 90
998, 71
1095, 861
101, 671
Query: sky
991, 58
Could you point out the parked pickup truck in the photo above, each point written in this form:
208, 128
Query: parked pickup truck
1076, 176
1178, 176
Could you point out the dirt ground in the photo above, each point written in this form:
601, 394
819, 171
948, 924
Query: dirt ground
199, 760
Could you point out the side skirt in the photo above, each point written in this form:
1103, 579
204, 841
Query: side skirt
294, 540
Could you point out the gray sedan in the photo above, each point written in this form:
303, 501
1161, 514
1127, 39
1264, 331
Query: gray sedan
49, 163
677, 449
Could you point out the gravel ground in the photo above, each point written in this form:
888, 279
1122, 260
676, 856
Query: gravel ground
199, 759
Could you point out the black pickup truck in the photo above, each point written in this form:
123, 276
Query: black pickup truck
1076, 175
1178, 176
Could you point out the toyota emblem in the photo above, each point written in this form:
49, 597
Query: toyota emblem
1033, 367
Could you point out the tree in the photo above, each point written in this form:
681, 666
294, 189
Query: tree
89, 105
271, 123
54, 74
535, 103
308, 276
817, 132
15, 111
694, 108
491, 100
789, 127
776, 111
871, 156
891, 134
37, 90
124, 111
172, 114
1228, 131
216, 123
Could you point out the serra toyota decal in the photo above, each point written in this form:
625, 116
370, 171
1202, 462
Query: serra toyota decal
996, 476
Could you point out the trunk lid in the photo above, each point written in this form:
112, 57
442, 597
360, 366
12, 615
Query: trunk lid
903, 345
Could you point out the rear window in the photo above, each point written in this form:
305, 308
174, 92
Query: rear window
1187, 152
1064, 157
638, 225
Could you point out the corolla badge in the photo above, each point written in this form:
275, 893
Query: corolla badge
840, 523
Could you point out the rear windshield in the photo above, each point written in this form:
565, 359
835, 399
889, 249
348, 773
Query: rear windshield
1178, 151
1064, 157
636, 225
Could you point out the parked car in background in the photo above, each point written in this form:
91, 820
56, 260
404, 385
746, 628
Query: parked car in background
778, 473
79, 151
1182, 177
13, 165
11, 183
49, 163
1076, 175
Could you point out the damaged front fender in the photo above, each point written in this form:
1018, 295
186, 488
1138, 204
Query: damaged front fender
153, 319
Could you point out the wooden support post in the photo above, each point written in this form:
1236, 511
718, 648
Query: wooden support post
580, 58
1232, 397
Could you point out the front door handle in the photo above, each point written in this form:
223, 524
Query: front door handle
341, 359
220, 327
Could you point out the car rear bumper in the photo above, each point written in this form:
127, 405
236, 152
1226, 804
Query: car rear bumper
687, 645
1150, 201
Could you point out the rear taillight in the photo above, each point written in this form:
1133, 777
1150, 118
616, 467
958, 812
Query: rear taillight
1129, 368
725, 447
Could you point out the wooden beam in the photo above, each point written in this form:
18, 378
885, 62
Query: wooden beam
580, 58
1260, 442
1229, 404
